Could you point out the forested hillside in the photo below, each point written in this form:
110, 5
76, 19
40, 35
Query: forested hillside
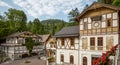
16, 21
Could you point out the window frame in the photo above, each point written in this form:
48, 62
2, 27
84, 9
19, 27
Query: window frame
63, 42
71, 59
72, 42
92, 41
62, 58
100, 41
109, 21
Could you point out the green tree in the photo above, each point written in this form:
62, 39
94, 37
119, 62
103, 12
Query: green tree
16, 20
51, 26
73, 14
106, 1
29, 43
116, 3
4, 29
29, 26
37, 27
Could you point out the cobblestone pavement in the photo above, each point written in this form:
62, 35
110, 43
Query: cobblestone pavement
26, 61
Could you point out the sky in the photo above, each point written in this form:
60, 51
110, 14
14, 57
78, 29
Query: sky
44, 9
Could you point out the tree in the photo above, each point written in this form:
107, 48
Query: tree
4, 29
29, 43
51, 26
73, 14
29, 26
106, 1
16, 20
37, 27
116, 3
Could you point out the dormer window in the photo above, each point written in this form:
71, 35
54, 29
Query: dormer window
96, 18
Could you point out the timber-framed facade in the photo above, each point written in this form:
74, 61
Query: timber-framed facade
67, 46
14, 46
98, 30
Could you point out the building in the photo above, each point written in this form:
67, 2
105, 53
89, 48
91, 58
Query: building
67, 46
51, 49
14, 46
99, 27
44, 41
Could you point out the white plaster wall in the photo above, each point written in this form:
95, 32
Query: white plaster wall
48, 46
89, 20
67, 43
103, 17
103, 24
81, 27
109, 15
115, 15
115, 37
67, 54
115, 22
85, 19
88, 53
81, 21
76, 43
89, 26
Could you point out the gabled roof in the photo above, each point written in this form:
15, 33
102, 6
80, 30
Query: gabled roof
68, 32
44, 37
17, 34
96, 5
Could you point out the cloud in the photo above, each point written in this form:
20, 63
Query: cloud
3, 4
37, 8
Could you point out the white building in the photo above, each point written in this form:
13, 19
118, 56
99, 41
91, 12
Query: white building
67, 46
98, 30
14, 47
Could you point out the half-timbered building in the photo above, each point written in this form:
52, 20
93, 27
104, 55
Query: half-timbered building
51, 49
15, 47
99, 27
67, 46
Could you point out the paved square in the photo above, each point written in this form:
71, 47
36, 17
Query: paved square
33, 61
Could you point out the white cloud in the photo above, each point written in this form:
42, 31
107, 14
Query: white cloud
3, 4
37, 8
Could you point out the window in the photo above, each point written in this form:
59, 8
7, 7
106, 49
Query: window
71, 59
84, 60
96, 18
72, 41
84, 43
62, 58
109, 22
100, 41
63, 42
85, 25
92, 41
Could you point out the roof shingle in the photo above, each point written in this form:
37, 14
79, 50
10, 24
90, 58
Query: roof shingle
68, 32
